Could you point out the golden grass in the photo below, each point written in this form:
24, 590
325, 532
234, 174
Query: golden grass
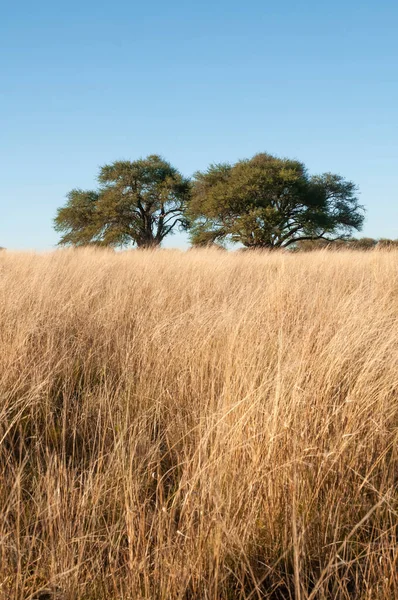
198, 426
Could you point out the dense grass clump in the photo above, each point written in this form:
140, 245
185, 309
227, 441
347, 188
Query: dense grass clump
198, 426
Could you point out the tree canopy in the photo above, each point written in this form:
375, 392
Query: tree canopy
269, 202
136, 202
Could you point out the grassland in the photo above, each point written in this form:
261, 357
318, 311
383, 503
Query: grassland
198, 426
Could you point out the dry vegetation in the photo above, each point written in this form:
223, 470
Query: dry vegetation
198, 426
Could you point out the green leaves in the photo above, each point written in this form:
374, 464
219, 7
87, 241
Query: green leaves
77, 219
271, 202
262, 202
137, 202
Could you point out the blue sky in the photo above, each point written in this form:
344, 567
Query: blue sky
86, 83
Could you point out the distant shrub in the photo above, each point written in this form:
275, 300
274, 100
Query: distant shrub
385, 243
312, 245
364, 244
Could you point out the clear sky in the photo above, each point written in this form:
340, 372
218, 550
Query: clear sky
85, 83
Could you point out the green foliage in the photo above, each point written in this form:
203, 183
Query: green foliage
268, 202
137, 202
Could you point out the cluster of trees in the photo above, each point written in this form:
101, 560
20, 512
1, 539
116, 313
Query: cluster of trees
262, 202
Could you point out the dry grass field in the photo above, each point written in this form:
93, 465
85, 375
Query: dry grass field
198, 426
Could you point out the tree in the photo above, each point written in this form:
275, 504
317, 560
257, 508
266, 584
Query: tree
137, 202
269, 202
